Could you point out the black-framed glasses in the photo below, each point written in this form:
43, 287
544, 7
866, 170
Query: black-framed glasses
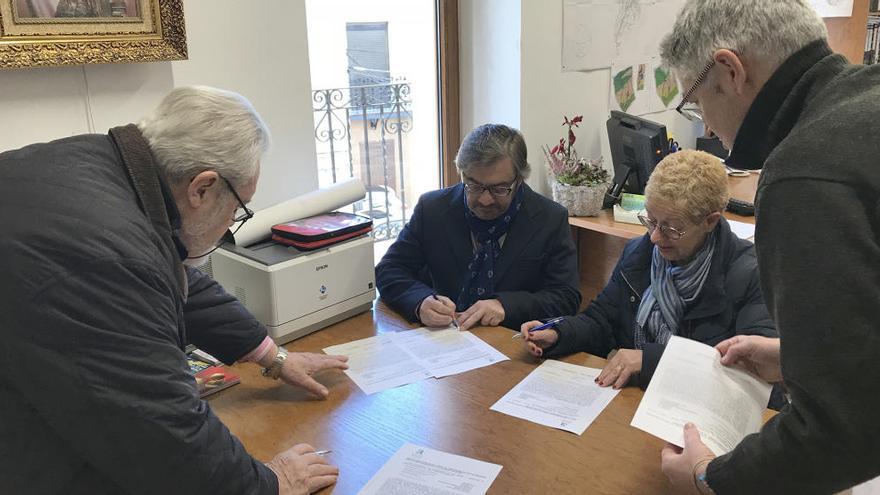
667, 231
242, 212
689, 109
499, 191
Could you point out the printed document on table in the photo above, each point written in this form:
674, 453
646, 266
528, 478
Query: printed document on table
559, 395
448, 351
414, 469
378, 363
742, 230
691, 385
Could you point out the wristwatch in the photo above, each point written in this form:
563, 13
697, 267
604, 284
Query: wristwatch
273, 371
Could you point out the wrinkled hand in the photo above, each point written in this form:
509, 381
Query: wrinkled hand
757, 354
300, 471
299, 367
620, 368
682, 466
539, 340
487, 312
436, 312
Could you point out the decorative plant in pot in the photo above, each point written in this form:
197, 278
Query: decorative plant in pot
579, 184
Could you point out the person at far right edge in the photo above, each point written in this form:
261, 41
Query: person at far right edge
764, 79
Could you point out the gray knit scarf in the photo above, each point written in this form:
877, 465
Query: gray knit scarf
672, 289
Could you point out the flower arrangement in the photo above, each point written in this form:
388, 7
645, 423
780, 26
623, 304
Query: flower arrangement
567, 168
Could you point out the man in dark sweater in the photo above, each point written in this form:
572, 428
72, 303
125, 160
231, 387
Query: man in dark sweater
763, 78
96, 307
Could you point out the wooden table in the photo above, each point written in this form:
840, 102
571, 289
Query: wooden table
450, 414
600, 240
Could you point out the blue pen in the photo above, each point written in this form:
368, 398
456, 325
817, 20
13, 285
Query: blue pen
547, 324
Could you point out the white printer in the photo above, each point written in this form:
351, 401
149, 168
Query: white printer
296, 292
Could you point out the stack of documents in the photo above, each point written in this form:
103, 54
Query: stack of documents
393, 359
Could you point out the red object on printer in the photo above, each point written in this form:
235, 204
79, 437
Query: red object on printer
321, 230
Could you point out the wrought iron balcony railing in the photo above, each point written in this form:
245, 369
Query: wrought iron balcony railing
361, 132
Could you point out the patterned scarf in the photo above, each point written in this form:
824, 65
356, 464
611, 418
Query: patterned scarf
479, 281
672, 289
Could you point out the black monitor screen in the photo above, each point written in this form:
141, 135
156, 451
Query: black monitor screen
637, 146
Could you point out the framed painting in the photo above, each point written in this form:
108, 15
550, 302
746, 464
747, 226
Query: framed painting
44, 33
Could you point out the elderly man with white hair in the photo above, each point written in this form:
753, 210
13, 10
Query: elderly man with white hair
763, 78
97, 306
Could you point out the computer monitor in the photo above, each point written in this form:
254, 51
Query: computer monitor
637, 146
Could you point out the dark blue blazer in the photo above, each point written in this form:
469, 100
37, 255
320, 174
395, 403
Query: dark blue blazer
536, 272
729, 304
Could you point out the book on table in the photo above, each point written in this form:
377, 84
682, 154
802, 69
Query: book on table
211, 375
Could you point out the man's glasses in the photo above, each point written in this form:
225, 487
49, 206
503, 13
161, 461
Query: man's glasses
689, 109
667, 231
242, 213
499, 191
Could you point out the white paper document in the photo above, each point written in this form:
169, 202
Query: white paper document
447, 352
559, 395
378, 363
742, 230
691, 385
394, 359
425, 471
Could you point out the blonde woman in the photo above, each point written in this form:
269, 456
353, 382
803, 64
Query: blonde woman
689, 275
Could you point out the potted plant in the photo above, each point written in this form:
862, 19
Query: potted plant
579, 184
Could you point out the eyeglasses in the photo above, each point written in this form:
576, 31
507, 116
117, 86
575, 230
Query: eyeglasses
689, 109
242, 213
667, 231
499, 191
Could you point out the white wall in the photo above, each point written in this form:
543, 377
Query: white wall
545, 92
260, 52
489, 62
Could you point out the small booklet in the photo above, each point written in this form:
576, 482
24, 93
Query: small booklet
211, 375
691, 385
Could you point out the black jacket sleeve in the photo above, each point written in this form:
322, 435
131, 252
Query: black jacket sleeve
559, 293
217, 322
593, 330
99, 358
397, 275
826, 439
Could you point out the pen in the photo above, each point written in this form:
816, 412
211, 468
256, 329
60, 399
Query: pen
549, 323
322, 453
454, 323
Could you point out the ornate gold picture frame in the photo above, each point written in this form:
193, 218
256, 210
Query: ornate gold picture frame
46, 33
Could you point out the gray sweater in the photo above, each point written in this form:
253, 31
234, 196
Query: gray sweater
814, 127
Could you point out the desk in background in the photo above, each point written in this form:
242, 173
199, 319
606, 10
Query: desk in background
600, 240
450, 414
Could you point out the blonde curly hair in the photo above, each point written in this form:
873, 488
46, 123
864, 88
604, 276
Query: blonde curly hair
693, 182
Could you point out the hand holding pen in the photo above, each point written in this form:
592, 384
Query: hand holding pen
437, 311
537, 339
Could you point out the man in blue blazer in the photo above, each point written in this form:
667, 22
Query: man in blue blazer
488, 251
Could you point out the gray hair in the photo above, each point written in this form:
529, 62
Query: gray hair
767, 30
198, 128
489, 143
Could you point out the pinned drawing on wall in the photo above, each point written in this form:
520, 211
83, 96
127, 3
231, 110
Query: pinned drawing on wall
630, 89
597, 32
666, 87
833, 8
643, 88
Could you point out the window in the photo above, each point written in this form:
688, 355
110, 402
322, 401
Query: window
375, 93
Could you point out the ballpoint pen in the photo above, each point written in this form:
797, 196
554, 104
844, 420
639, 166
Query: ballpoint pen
454, 323
547, 324
322, 453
